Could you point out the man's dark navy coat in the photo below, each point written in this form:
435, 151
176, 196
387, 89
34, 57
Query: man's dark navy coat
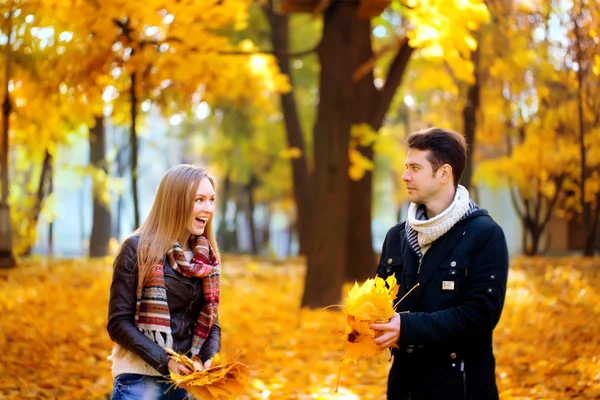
447, 322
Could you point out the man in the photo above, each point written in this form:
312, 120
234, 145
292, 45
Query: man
441, 336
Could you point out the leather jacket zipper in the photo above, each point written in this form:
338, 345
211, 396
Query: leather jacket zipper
464, 376
183, 329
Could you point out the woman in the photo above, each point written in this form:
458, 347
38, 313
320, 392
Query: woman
165, 289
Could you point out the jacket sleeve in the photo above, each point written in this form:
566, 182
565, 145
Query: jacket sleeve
121, 312
213, 343
380, 269
480, 312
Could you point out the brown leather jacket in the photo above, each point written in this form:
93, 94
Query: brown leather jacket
185, 296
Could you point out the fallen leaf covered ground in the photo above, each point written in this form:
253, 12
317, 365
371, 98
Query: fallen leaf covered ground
53, 340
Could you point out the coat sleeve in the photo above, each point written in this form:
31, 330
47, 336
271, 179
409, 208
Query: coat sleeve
121, 312
380, 269
393, 238
213, 342
480, 312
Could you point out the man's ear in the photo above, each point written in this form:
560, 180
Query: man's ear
445, 173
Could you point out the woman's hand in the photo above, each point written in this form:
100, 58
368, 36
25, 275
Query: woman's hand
178, 368
199, 366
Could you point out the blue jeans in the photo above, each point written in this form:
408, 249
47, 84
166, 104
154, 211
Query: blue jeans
145, 387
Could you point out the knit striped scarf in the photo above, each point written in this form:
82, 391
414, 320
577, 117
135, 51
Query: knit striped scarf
421, 232
152, 310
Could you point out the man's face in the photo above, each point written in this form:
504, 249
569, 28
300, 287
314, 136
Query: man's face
421, 182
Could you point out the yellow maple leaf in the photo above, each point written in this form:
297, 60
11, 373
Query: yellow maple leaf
219, 381
372, 302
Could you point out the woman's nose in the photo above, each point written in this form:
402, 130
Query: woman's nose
209, 207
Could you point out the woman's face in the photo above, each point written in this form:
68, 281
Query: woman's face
204, 207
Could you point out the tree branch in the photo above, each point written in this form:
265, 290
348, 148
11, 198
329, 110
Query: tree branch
298, 54
368, 65
528, 212
514, 200
559, 182
392, 82
538, 205
321, 7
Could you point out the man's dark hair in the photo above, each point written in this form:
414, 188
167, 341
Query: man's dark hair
445, 147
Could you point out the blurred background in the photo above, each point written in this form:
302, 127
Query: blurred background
300, 109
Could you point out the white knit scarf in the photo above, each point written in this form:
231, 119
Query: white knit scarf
429, 230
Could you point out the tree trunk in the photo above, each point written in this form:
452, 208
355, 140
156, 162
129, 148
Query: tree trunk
234, 242
121, 161
101, 224
134, 152
250, 206
42, 192
524, 236
360, 256
339, 57
291, 233
585, 207
591, 237
7, 259
225, 234
371, 108
83, 236
51, 224
535, 241
536, 216
300, 173
470, 118
266, 232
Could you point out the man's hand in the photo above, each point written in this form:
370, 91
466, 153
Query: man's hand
391, 332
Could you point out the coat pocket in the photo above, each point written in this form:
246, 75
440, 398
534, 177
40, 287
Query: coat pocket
453, 273
451, 281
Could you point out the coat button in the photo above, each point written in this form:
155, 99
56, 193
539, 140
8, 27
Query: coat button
453, 264
388, 269
409, 350
453, 355
389, 260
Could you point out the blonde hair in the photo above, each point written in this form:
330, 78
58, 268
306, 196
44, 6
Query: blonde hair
168, 217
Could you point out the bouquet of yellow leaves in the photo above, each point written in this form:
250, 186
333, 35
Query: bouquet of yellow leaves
219, 381
370, 303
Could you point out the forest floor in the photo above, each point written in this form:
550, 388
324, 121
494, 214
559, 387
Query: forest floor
54, 343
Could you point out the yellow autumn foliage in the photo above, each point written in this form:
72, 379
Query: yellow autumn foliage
370, 303
218, 382
54, 342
